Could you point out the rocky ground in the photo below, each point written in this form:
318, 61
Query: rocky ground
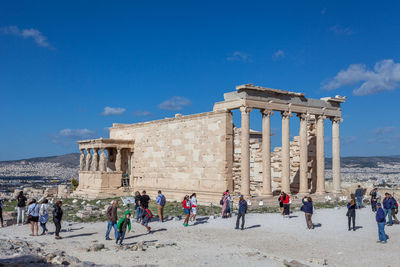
268, 240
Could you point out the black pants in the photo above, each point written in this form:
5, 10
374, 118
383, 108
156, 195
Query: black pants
1, 216
352, 217
286, 209
373, 205
240, 215
57, 223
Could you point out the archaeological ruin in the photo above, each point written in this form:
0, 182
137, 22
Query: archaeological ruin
205, 153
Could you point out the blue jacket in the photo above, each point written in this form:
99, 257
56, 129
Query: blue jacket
388, 203
359, 192
242, 206
160, 200
380, 216
307, 207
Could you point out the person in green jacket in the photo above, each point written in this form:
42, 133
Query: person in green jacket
123, 223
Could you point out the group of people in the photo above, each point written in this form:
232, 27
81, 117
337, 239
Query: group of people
226, 202
39, 213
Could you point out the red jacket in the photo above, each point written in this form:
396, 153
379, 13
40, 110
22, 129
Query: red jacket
286, 200
186, 204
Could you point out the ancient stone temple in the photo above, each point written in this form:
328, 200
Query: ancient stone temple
204, 153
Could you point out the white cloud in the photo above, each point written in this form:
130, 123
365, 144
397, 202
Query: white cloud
386, 135
278, 54
35, 34
384, 77
175, 103
340, 30
109, 111
142, 113
67, 137
239, 56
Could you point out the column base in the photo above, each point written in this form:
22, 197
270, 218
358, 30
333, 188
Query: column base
269, 194
320, 193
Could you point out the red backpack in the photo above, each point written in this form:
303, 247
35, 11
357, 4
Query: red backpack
149, 213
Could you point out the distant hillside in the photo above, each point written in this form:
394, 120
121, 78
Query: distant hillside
68, 160
363, 162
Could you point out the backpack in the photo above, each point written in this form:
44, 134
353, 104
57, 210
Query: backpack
221, 202
149, 213
163, 200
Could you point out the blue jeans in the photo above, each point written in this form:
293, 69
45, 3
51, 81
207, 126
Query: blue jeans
109, 226
359, 202
43, 225
388, 212
138, 214
120, 237
381, 231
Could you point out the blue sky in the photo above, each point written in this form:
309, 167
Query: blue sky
69, 69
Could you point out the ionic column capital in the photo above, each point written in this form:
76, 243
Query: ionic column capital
303, 116
286, 113
336, 119
245, 109
320, 117
266, 112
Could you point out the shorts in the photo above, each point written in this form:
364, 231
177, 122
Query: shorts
186, 211
145, 221
33, 219
194, 210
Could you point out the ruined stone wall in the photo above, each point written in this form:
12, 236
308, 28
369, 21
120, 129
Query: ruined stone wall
276, 162
181, 155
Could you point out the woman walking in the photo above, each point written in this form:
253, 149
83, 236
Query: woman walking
285, 198
33, 216
44, 215
137, 206
57, 216
186, 209
193, 201
280, 203
307, 208
351, 213
225, 203
21, 205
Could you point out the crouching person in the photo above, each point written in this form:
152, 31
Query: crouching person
241, 212
122, 225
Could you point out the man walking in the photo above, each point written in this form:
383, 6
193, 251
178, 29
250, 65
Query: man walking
359, 195
373, 199
242, 212
160, 200
112, 220
144, 200
388, 204
381, 220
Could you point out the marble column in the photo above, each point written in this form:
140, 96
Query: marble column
103, 160
320, 155
95, 160
266, 152
245, 151
88, 159
336, 154
118, 160
285, 178
303, 188
82, 160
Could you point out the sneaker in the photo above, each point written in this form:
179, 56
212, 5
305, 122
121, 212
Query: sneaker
236, 228
107, 238
383, 242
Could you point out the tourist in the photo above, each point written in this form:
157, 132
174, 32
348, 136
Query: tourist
225, 203
137, 206
160, 200
146, 217
144, 200
395, 210
307, 208
21, 204
228, 205
186, 209
33, 216
57, 216
381, 220
351, 214
388, 204
123, 223
242, 210
193, 202
112, 219
373, 199
359, 195
1, 211
285, 198
44, 215
280, 203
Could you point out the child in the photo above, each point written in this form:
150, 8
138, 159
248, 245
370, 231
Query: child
186, 209
146, 216
122, 225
